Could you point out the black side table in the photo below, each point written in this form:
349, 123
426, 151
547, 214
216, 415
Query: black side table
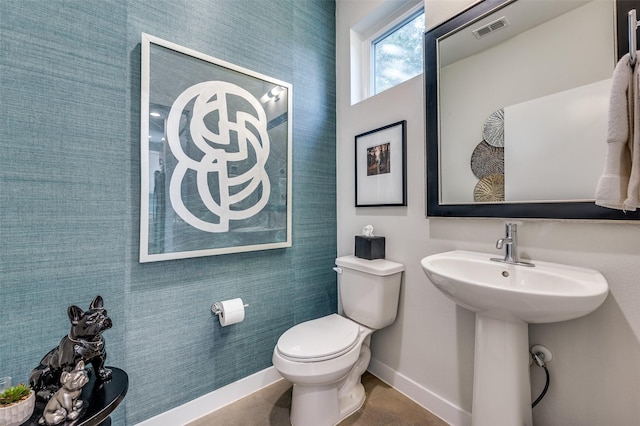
100, 399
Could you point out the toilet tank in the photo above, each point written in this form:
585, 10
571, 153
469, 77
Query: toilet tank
369, 290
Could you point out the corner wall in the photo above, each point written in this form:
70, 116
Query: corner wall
69, 192
595, 374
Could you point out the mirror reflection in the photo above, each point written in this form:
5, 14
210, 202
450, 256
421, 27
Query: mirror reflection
523, 102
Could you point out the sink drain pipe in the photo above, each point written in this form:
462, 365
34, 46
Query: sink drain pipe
538, 358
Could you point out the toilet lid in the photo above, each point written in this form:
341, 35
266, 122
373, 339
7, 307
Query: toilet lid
319, 339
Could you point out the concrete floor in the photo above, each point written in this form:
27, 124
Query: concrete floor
270, 406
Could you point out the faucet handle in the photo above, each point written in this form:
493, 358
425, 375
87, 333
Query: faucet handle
500, 243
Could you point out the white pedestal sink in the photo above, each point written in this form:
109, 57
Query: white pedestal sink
505, 299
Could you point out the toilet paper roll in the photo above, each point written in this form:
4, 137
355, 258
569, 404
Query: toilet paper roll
231, 311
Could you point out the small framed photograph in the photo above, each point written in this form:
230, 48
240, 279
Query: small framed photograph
381, 169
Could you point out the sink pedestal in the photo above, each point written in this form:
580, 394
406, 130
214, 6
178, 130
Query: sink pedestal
506, 298
501, 383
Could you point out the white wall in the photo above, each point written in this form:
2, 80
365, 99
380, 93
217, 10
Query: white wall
595, 372
568, 146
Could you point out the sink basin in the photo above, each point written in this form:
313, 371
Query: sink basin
549, 292
505, 299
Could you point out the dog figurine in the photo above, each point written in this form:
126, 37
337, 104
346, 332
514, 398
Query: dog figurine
83, 343
66, 404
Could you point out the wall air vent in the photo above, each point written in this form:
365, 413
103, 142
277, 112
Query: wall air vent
491, 27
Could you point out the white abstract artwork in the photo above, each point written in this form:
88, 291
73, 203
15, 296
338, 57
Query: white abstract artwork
215, 156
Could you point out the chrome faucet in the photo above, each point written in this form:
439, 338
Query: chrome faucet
510, 244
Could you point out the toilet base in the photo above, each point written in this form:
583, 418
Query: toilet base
351, 404
329, 404
321, 405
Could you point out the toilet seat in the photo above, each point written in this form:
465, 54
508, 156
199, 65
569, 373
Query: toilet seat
319, 339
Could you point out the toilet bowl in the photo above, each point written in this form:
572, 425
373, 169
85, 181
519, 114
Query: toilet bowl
325, 358
326, 378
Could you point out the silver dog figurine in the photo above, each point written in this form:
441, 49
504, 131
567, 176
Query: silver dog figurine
66, 404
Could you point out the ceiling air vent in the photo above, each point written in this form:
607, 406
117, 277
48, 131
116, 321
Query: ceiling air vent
491, 27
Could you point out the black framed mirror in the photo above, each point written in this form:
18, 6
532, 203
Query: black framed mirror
509, 89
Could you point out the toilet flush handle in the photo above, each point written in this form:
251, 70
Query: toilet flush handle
337, 269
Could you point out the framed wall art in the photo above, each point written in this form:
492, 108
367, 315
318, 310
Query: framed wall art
381, 171
215, 156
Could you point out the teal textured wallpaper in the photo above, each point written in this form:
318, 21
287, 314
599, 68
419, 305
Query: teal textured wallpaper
69, 191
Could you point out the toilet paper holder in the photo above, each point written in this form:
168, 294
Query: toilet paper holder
216, 309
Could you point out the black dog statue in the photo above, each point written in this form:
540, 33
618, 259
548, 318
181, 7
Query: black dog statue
83, 343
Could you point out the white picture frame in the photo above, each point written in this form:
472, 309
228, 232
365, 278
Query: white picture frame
215, 156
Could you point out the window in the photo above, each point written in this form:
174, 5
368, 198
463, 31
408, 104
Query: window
386, 47
396, 55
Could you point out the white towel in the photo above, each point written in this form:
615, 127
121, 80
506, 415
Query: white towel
619, 185
633, 190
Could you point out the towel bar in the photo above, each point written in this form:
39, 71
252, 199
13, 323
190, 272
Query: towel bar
633, 26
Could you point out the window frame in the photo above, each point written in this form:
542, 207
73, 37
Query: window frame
379, 32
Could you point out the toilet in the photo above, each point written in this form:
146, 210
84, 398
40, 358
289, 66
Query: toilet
325, 358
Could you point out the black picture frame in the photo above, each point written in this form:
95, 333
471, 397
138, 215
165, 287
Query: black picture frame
585, 210
380, 166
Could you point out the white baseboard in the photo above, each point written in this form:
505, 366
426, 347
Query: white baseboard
206, 404
232, 392
439, 406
